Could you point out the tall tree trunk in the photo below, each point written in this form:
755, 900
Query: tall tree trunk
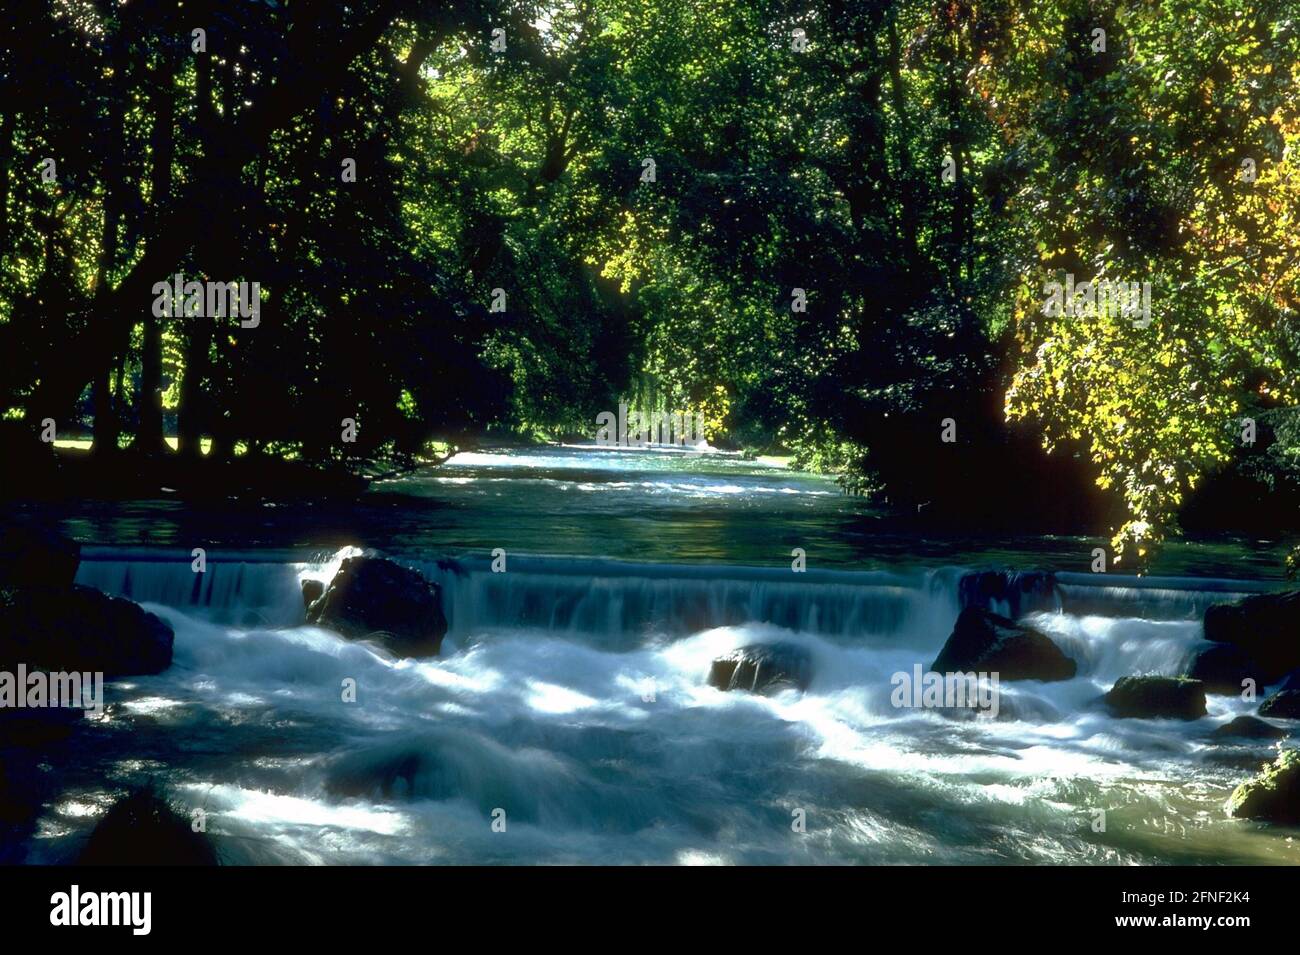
198, 338
6, 156
898, 99
189, 420
963, 216
106, 428
149, 437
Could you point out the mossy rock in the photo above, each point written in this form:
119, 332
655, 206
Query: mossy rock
1273, 795
1156, 697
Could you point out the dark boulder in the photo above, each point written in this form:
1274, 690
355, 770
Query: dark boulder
984, 642
1273, 795
312, 590
36, 726
142, 829
1249, 727
1284, 704
1266, 628
25, 785
1223, 668
80, 628
37, 557
763, 668
1285, 701
1020, 591
373, 597
49, 622
1149, 697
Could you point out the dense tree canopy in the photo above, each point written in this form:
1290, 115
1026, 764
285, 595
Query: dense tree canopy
828, 225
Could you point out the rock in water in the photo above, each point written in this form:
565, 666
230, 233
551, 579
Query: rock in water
1022, 591
1284, 704
983, 642
1151, 697
311, 592
1273, 795
1223, 668
1285, 701
35, 557
1249, 727
763, 668
373, 597
142, 829
1266, 628
47, 621
79, 628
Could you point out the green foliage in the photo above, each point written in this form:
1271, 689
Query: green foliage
918, 171
1129, 166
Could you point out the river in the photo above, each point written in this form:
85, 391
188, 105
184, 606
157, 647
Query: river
568, 719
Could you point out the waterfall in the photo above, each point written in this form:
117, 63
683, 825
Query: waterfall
620, 605
234, 589
1151, 598
573, 693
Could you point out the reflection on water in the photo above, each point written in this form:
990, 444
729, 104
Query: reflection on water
630, 505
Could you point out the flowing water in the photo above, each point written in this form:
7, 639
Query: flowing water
570, 700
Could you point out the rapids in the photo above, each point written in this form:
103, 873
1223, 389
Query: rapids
570, 693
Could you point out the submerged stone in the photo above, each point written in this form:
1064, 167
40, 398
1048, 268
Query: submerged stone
1249, 727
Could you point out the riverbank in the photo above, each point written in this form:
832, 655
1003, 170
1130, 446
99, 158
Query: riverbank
69, 469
